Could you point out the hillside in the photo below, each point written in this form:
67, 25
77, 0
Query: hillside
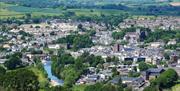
34, 3
56, 3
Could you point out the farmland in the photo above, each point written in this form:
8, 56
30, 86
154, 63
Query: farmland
18, 9
9, 10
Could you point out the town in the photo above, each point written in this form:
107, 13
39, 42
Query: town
134, 52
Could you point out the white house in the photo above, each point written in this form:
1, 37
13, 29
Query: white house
54, 46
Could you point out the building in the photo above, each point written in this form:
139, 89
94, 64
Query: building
156, 44
173, 58
131, 37
135, 82
117, 48
152, 73
56, 46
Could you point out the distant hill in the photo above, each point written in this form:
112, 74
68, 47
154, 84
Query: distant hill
34, 3
56, 3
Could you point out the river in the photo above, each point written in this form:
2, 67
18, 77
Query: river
53, 79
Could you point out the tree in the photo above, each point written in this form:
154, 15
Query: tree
20, 80
82, 41
13, 63
24, 33
79, 63
78, 41
128, 89
70, 75
160, 35
2, 70
95, 87
166, 79
109, 87
143, 66
151, 88
128, 62
133, 74
167, 56
103, 87
115, 72
28, 15
66, 59
118, 35
80, 26
112, 59
178, 35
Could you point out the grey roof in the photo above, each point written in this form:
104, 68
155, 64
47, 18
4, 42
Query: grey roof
93, 76
155, 70
128, 49
115, 80
127, 78
139, 80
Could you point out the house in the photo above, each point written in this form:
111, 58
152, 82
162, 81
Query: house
131, 37
172, 42
152, 73
92, 78
130, 81
156, 44
115, 80
138, 82
2, 61
117, 48
173, 58
6, 46
127, 80
104, 74
55, 46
